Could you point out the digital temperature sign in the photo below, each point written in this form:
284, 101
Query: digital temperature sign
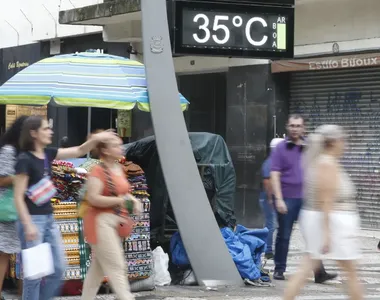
234, 30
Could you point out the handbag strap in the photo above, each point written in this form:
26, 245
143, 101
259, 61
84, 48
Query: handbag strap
46, 166
110, 185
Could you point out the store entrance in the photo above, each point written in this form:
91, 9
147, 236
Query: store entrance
206, 113
101, 118
207, 96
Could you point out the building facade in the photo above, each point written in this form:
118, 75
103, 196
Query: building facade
336, 81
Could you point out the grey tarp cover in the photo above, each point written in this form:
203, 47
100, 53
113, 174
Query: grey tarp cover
210, 150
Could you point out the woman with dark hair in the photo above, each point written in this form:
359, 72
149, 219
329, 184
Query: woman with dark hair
33, 191
9, 148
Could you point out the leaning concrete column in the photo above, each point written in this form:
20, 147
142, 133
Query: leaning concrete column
204, 244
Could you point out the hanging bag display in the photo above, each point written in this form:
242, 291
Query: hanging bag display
42, 192
83, 204
8, 212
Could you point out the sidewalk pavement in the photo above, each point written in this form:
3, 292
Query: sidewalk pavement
369, 272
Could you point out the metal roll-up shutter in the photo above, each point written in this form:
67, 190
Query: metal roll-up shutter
351, 98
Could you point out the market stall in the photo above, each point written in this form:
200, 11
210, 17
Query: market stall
69, 180
137, 246
78, 80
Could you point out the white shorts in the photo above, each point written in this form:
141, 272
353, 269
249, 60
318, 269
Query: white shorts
344, 231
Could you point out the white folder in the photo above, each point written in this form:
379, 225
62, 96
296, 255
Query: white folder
37, 261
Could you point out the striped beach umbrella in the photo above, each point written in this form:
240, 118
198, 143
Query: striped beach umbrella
86, 79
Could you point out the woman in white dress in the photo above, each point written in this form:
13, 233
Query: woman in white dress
329, 221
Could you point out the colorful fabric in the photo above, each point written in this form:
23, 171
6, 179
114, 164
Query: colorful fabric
137, 249
137, 246
84, 79
42, 191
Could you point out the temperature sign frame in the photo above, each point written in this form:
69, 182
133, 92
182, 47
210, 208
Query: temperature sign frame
234, 30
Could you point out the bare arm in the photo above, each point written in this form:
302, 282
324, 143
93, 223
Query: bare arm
8, 159
327, 187
275, 178
79, 151
268, 189
20, 187
94, 194
6, 181
74, 152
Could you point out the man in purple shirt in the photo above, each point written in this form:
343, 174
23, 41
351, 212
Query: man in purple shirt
287, 181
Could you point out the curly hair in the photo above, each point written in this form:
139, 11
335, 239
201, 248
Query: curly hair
13, 134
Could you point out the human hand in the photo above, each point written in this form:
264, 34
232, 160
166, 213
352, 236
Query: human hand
137, 205
31, 232
105, 136
281, 207
134, 206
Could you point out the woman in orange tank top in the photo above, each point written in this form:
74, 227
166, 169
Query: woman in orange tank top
107, 193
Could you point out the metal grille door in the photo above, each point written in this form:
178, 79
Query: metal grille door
350, 98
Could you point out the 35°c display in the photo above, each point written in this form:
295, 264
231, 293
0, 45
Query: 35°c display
243, 30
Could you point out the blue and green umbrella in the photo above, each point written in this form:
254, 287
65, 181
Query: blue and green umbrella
86, 79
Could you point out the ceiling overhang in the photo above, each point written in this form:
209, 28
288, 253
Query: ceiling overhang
107, 13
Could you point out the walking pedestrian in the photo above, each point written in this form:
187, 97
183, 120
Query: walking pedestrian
107, 192
287, 183
329, 220
9, 149
266, 200
36, 223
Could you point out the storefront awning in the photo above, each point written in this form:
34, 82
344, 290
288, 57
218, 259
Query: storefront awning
326, 63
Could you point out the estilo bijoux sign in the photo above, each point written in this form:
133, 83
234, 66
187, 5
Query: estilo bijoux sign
327, 63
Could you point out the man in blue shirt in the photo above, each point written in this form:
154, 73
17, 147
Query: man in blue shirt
266, 200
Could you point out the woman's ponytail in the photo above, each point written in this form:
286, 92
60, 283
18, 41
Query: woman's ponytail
314, 148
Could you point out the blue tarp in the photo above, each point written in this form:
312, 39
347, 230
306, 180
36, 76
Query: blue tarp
245, 246
177, 249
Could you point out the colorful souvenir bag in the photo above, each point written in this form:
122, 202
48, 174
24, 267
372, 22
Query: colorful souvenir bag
42, 192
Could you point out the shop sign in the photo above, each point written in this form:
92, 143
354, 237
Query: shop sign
17, 58
239, 29
327, 63
17, 65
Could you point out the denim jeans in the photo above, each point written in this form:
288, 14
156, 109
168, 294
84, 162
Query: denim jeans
270, 222
48, 233
284, 232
